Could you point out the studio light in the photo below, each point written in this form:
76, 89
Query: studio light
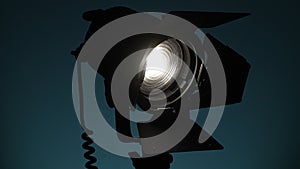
166, 67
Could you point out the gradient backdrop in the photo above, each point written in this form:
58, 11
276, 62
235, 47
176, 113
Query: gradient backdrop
39, 128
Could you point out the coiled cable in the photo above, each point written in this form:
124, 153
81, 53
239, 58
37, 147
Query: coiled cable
90, 150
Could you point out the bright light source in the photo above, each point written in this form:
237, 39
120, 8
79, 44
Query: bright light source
167, 72
157, 63
162, 65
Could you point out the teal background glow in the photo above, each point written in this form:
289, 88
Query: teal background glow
38, 125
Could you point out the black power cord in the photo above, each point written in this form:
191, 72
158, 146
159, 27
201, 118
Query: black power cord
90, 164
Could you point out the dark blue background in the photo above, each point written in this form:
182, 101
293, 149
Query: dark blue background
39, 128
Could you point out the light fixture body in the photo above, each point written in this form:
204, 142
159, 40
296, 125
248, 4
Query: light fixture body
235, 66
